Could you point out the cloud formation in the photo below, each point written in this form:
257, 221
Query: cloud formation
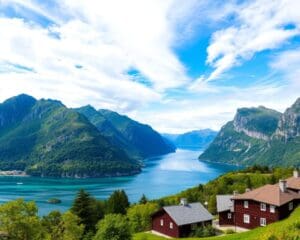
258, 26
122, 55
88, 49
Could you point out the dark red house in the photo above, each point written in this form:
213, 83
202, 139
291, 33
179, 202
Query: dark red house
264, 205
179, 221
225, 209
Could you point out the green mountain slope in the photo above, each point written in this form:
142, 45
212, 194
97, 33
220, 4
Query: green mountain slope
259, 136
47, 139
138, 140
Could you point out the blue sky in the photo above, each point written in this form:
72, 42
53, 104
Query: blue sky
176, 65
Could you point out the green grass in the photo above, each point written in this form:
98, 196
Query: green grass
288, 229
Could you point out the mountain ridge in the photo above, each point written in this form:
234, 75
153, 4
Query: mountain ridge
45, 138
258, 136
139, 140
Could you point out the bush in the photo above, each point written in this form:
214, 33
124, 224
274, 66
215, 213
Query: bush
140, 216
204, 231
113, 227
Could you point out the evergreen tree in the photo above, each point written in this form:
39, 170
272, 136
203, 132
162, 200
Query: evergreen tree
118, 202
85, 208
143, 199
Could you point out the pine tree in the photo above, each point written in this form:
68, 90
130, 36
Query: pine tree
84, 207
118, 202
143, 199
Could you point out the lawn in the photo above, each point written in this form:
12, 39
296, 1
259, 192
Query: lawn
288, 229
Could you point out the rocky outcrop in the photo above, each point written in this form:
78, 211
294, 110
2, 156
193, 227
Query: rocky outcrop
259, 136
289, 124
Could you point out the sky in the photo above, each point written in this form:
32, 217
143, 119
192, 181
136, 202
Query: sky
176, 65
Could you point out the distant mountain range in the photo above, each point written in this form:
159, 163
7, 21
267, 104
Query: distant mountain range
45, 138
259, 136
198, 139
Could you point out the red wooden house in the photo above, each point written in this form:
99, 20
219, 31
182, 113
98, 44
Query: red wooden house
180, 220
264, 205
225, 209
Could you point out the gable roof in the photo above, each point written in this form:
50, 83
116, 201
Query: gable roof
293, 183
224, 203
270, 194
188, 214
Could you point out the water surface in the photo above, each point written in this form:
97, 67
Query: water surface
161, 176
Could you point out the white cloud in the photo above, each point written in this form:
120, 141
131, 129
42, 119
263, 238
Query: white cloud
83, 56
287, 63
104, 39
258, 25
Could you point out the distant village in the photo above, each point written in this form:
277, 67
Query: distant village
239, 212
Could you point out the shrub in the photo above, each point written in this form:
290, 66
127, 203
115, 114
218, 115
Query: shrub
204, 231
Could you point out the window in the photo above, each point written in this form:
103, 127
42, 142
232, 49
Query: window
272, 209
263, 207
171, 225
246, 204
229, 215
246, 218
161, 222
263, 222
291, 206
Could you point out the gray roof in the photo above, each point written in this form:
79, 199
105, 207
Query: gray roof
190, 213
224, 203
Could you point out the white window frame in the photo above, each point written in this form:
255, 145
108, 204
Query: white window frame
246, 218
229, 215
161, 222
262, 222
272, 209
263, 207
246, 204
171, 225
291, 206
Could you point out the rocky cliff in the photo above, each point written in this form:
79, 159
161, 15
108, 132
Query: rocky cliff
258, 136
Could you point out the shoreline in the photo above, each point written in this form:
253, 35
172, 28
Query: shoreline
13, 173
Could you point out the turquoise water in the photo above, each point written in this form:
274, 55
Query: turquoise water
161, 176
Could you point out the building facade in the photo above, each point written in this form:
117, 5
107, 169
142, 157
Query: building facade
261, 206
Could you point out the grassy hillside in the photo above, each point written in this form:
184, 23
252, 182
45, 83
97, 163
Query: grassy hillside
252, 177
288, 229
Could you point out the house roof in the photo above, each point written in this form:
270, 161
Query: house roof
293, 183
270, 194
188, 214
224, 203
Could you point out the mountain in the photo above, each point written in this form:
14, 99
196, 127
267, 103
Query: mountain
198, 139
258, 136
138, 140
45, 138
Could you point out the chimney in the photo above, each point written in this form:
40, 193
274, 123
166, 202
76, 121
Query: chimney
235, 193
183, 202
248, 189
296, 173
282, 185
